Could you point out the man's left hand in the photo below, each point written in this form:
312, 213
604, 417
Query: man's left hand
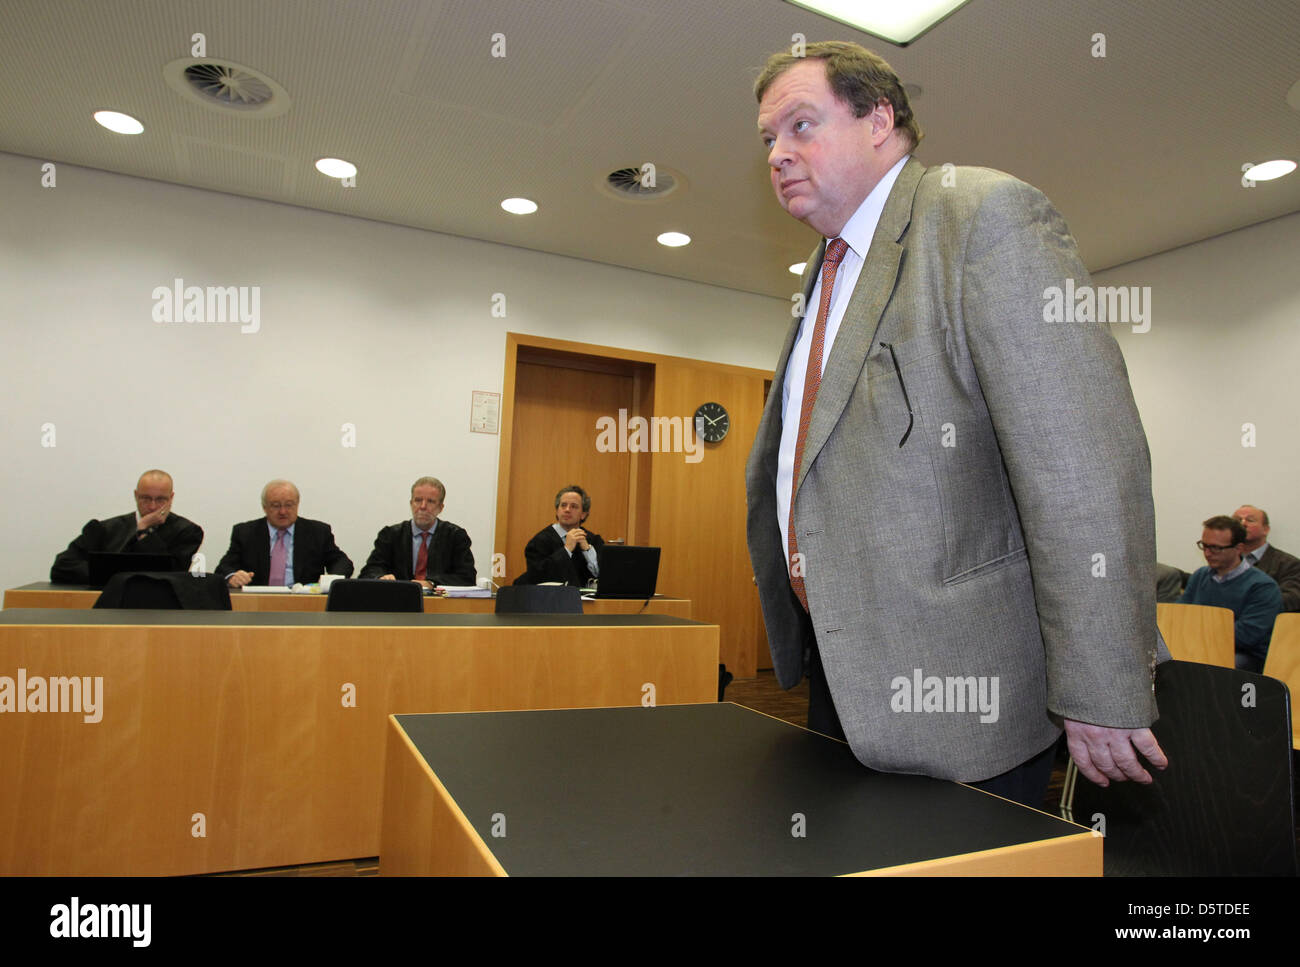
1103, 753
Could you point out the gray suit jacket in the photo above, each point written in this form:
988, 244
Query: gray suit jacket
1010, 541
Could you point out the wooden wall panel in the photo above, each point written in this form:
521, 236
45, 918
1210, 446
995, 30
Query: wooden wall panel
694, 511
697, 510
554, 443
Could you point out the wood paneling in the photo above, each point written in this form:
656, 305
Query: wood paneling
246, 725
553, 443
695, 511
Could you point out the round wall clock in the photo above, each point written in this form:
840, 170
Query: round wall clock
715, 422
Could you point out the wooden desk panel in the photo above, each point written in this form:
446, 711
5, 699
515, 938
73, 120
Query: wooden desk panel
242, 718
688, 790
43, 595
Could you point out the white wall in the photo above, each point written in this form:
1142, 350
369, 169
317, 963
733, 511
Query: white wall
384, 327
1223, 351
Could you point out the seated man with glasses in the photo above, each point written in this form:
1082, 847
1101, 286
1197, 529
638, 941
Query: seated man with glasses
152, 529
1229, 582
281, 549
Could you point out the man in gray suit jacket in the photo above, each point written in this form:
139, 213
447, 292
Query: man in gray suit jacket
950, 510
1282, 567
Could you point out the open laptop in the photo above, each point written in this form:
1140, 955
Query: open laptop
104, 564
627, 572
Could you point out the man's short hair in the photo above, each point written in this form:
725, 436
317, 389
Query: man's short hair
574, 489
858, 77
1222, 522
1263, 514
163, 474
431, 482
272, 484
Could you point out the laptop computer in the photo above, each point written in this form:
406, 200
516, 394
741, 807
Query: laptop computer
627, 572
104, 564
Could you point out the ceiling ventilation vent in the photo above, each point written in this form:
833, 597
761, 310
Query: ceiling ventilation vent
227, 87
641, 183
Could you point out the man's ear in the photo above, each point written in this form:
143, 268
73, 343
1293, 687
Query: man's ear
882, 121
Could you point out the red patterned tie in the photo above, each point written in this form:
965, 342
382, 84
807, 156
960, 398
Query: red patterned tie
422, 561
812, 381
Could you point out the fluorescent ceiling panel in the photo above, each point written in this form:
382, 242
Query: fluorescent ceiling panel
897, 21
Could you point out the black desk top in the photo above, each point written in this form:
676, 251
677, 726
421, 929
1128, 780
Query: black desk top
47, 586
698, 790
330, 619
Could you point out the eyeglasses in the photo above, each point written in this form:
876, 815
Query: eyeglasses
282, 505
1214, 547
146, 499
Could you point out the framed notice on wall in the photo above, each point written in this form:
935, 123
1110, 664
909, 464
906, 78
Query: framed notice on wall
485, 412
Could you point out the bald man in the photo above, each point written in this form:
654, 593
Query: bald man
1282, 567
281, 549
152, 529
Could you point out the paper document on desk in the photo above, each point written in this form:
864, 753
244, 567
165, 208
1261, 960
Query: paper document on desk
280, 589
469, 591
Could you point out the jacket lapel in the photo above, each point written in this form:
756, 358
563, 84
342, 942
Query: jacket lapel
858, 328
405, 570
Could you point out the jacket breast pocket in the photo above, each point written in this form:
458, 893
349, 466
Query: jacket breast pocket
936, 405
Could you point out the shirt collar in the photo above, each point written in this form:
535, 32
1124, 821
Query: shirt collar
861, 226
1241, 568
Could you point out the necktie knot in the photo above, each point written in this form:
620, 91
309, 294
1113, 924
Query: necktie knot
835, 250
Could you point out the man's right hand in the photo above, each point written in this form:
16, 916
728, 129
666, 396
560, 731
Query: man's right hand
239, 579
154, 518
576, 538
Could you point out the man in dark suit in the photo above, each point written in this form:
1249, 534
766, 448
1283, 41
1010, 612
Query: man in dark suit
564, 551
152, 529
423, 549
949, 496
281, 549
1282, 567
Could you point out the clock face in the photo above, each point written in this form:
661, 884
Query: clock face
712, 422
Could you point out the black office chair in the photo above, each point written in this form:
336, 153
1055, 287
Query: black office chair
364, 594
1225, 805
539, 599
168, 591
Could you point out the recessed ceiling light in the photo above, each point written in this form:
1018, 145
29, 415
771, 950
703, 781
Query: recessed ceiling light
519, 206
898, 23
1270, 170
674, 239
118, 122
798, 267
336, 168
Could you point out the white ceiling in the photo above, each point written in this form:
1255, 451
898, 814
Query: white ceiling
1141, 150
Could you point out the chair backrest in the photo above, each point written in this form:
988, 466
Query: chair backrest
1225, 805
1283, 662
1197, 632
538, 599
132, 589
358, 594
164, 590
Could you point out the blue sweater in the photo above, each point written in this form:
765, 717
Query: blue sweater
1252, 596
